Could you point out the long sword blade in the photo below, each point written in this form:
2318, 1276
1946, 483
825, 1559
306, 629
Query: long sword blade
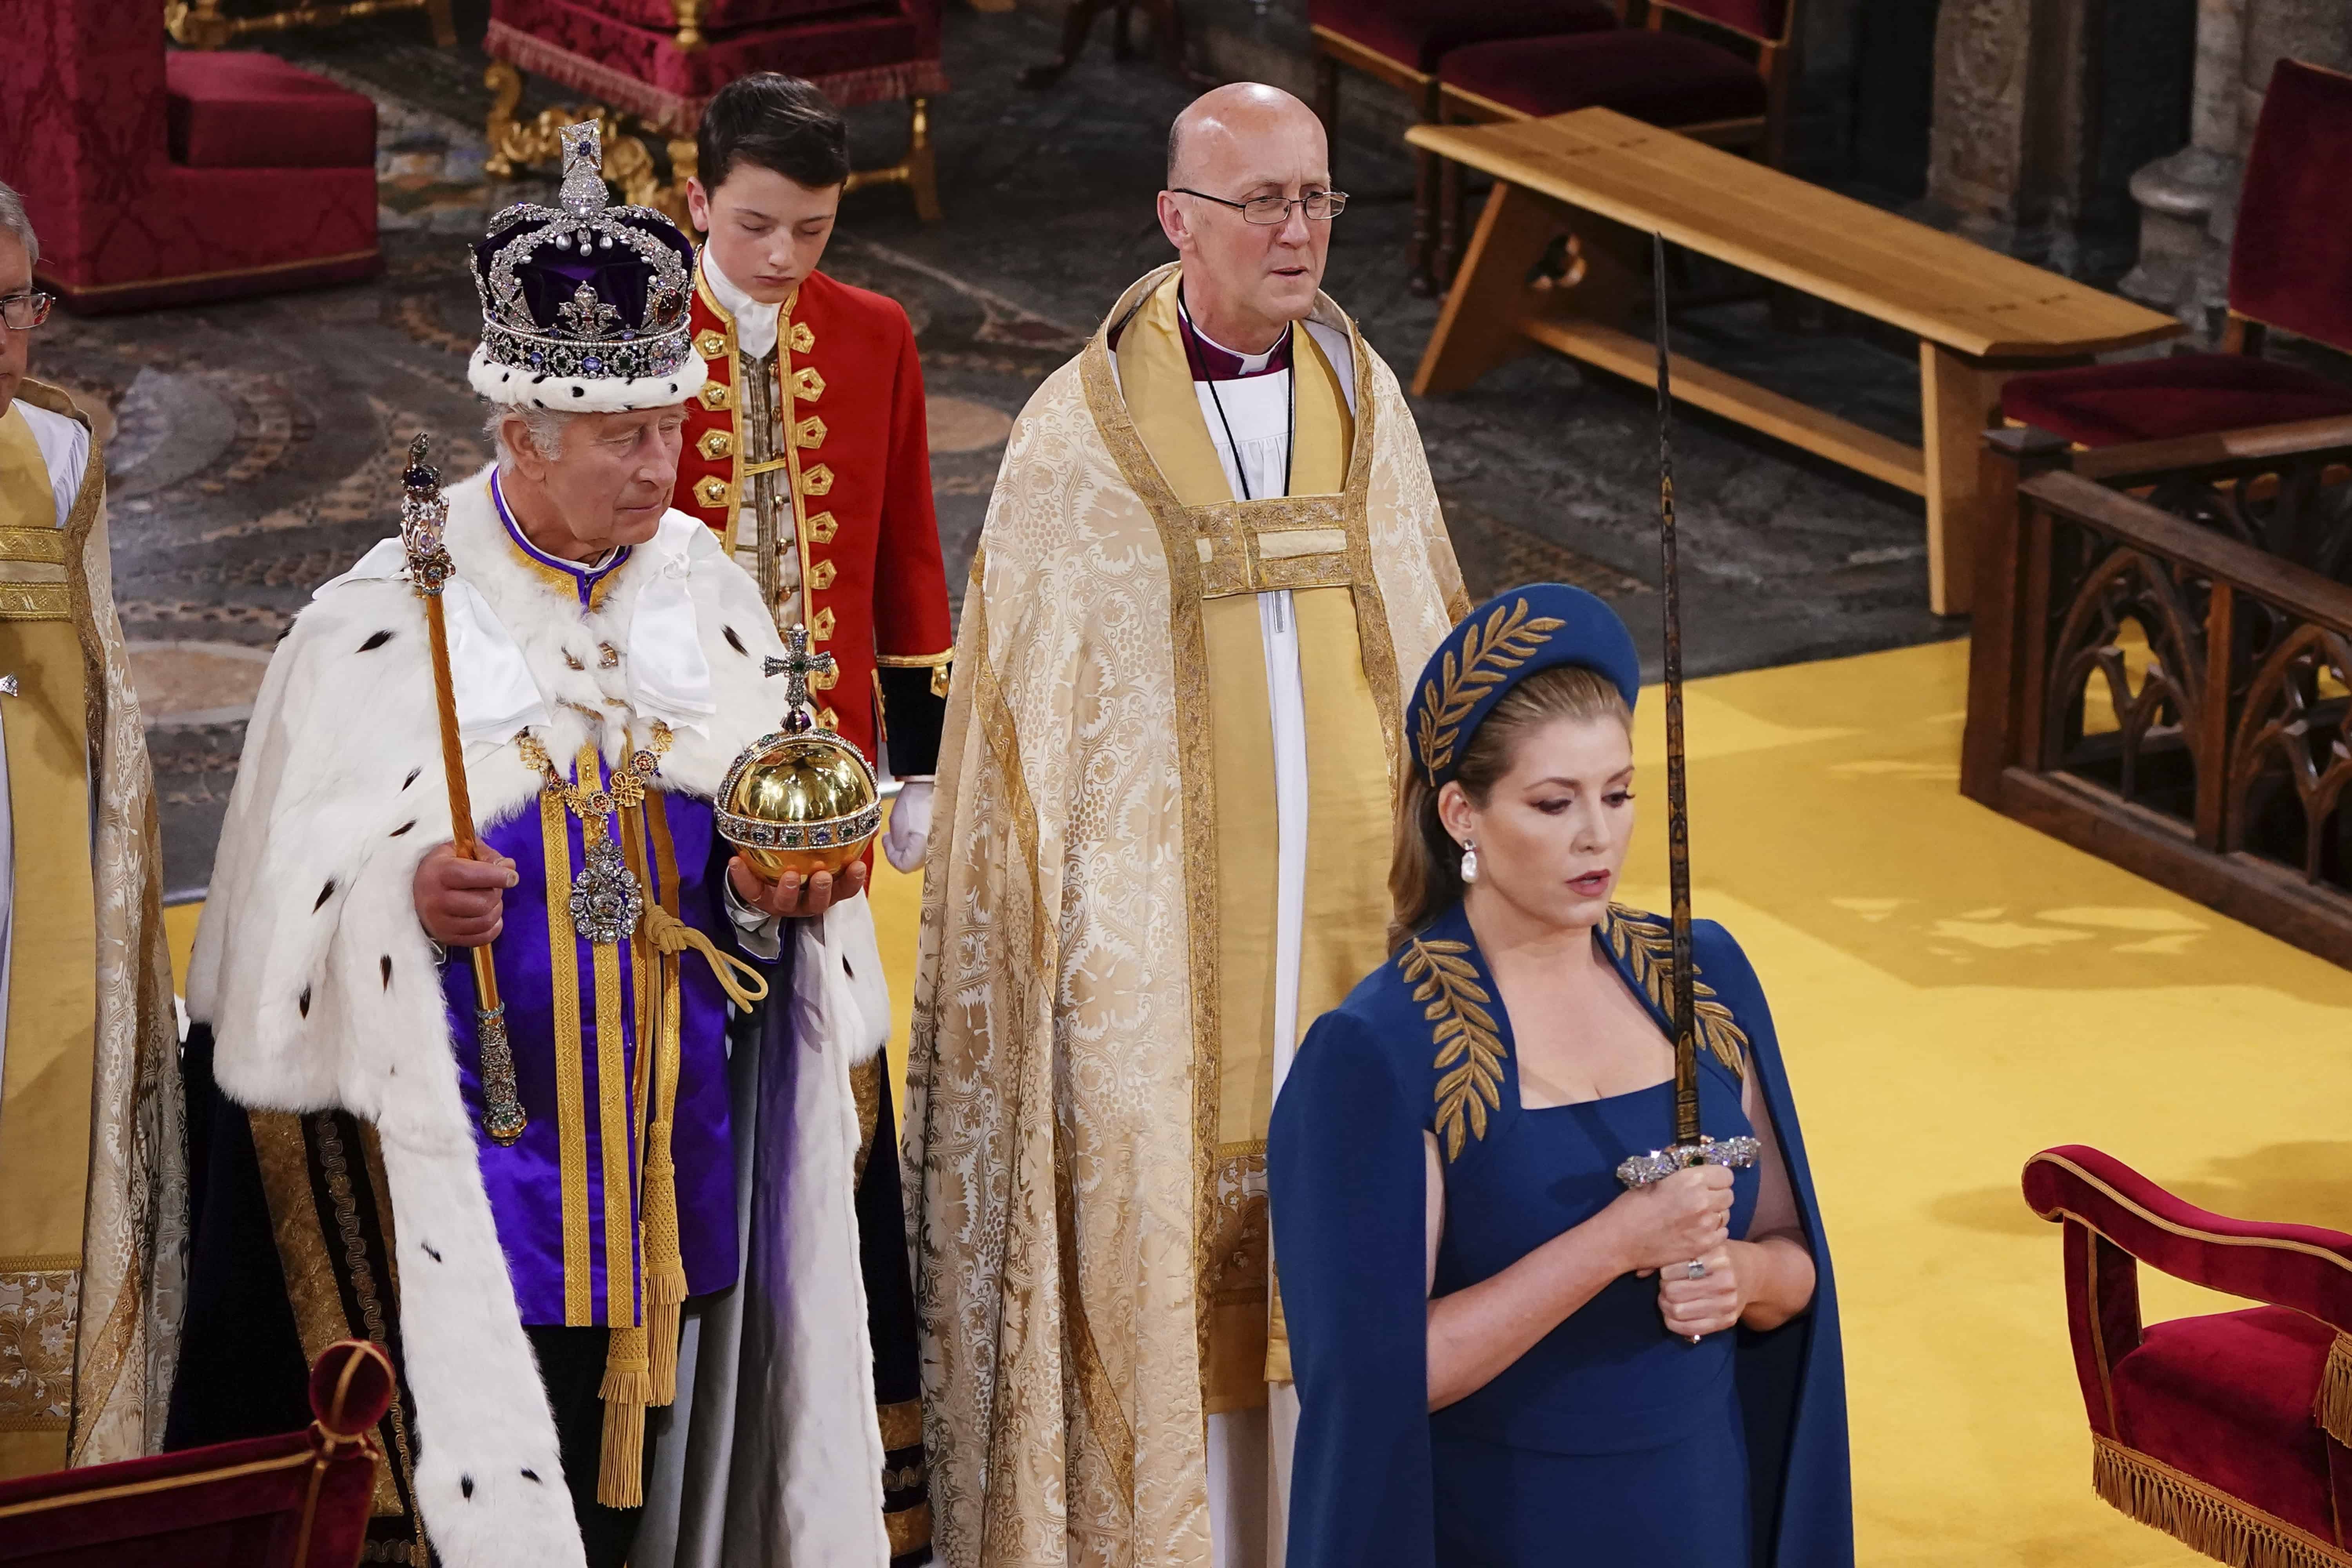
1686, 1014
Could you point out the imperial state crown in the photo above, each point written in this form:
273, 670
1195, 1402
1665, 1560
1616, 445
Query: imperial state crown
585, 306
801, 799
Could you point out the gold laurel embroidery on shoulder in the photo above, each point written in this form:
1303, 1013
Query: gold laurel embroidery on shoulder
1508, 639
1647, 947
1469, 1053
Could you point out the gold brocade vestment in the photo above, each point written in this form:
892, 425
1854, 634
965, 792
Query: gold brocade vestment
1093, 1041
1343, 934
92, 1160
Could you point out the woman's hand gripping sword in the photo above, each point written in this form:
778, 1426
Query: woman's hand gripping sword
1690, 1147
423, 512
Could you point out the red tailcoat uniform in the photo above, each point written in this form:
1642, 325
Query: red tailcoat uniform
872, 591
848, 393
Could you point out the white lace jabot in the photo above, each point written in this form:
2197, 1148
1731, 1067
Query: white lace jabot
755, 324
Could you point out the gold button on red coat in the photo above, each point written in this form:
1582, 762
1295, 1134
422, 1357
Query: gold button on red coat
874, 583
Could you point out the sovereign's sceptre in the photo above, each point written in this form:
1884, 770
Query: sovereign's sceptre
423, 512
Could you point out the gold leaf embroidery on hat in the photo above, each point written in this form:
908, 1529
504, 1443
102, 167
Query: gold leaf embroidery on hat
1508, 639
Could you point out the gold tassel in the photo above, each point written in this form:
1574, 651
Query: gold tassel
2333, 1408
2200, 1516
665, 1268
629, 1384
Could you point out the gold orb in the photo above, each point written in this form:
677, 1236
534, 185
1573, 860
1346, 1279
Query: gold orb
802, 802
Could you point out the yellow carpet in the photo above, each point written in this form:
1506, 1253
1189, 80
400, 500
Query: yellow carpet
1954, 992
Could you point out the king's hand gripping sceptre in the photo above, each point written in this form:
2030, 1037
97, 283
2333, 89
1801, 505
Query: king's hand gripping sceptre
1690, 1147
424, 513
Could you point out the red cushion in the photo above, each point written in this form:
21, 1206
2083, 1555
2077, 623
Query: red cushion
1418, 33
2157, 399
724, 16
2228, 1399
2291, 257
871, 52
1759, 19
1666, 79
247, 110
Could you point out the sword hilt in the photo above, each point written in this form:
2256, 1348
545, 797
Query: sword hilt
1646, 1170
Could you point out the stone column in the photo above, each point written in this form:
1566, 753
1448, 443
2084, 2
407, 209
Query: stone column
2177, 268
2013, 134
2189, 200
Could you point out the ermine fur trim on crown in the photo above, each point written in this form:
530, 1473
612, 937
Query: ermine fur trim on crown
570, 395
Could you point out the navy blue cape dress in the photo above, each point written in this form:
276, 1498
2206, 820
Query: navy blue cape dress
1610, 1440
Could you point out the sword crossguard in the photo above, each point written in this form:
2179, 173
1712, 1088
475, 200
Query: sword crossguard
1646, 1170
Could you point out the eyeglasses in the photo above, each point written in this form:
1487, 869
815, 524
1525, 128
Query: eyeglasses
23, 312
1266, 211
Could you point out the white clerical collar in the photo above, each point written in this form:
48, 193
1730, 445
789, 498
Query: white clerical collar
1251, 365
755, 323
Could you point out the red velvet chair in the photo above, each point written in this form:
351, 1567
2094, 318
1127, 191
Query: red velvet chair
157, 181
664, 60
2225, 1431
1400, 42
2290, 268
1725, 81
297, 1502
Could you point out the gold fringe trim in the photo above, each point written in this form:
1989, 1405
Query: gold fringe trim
665, 1267
629, 1384
2202, 1517
2333, 1408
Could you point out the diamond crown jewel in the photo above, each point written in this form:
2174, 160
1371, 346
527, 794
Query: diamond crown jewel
585, 289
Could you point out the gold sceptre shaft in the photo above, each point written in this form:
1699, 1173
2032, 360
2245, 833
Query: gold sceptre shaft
423, 512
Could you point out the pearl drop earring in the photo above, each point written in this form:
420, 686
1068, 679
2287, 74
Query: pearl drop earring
1469, 863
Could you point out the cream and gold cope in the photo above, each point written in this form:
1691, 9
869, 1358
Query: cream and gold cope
1093, 1052
91, 1151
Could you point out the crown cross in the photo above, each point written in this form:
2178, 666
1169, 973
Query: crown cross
582, 193
797, 665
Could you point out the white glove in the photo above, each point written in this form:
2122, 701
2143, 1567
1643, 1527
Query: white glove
909, 833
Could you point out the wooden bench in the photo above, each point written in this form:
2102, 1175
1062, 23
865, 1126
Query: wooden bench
1610, 181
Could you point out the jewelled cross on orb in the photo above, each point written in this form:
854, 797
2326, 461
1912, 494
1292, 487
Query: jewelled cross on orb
797, 665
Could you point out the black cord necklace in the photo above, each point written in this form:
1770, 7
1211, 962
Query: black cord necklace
1199, 369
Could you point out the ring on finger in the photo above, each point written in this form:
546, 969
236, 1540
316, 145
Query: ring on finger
1695, 1270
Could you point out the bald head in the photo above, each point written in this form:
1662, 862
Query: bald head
1227, 118
1245, 282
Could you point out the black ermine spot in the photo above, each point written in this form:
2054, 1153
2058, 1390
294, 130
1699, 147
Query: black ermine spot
324, 894
466, 1485
403, 827
387, 971
411, 778
303, 1001
432, 1252
735, 642
846, 970
531, 1475
375, 642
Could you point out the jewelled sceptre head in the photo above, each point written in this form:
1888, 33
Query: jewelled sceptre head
800, 799
1690, 1147
424, 515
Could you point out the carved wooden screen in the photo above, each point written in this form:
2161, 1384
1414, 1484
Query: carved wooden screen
2162, 671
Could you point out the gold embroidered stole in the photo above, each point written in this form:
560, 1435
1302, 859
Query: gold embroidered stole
1308, 543
52, 1012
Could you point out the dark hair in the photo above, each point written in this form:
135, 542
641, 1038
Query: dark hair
1425, 863
774, 121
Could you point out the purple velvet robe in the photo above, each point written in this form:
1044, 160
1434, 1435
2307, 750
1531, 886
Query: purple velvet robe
525, 1181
